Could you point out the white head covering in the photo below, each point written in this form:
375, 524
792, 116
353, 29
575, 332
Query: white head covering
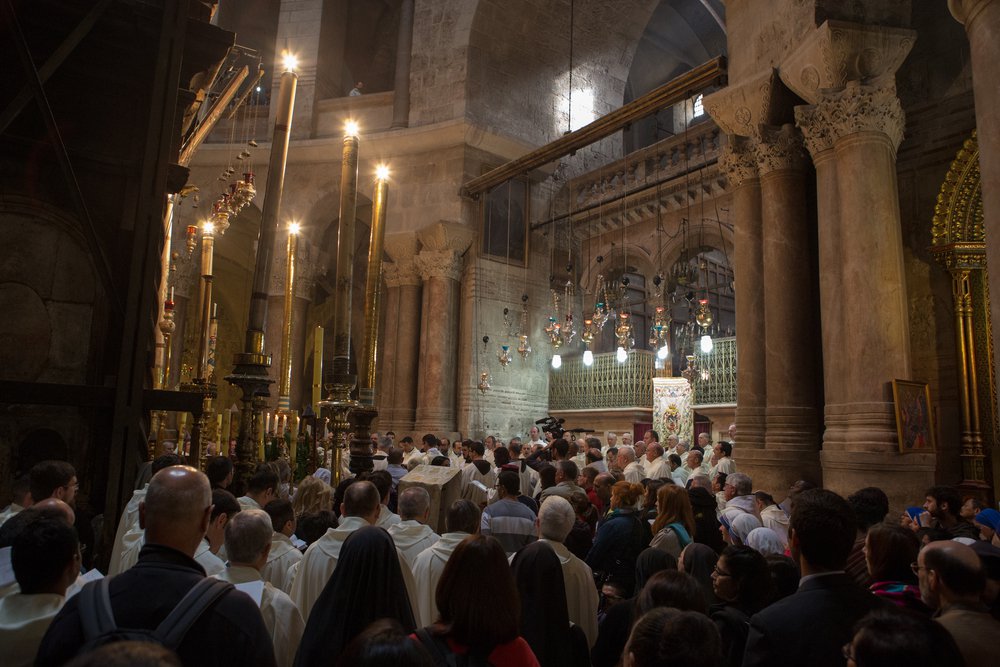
743, 525
766, 541
323, 474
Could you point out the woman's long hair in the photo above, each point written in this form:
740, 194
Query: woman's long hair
673, 506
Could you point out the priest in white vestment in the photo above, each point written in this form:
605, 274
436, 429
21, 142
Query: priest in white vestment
248, 540
283, 555
463, 520
45, 557
360, 508
412, 535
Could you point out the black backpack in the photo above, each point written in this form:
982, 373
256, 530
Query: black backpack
99, 627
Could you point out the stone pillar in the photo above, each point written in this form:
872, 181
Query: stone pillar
404, 51
837, 376
386, 398
739, 160
866, 123
792, 436
402, 334
982, 24
440, 270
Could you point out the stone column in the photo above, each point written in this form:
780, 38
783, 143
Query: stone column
982, 24
792, 436
836, 374
404, 51
866, 123
398, 389
739, 160
440, 270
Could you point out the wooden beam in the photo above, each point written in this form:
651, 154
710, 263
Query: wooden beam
670, 93
212, 117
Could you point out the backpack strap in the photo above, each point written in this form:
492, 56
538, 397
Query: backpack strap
171, 631
96, 614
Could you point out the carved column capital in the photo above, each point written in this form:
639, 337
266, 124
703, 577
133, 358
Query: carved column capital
401, 273
840, 51
439, 264
814, 122
780, 148
865, 108
740, 110
965, 11
739, 160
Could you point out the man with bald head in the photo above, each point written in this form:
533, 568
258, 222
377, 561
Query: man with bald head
360, 508
175, 515
627, 464
952, 580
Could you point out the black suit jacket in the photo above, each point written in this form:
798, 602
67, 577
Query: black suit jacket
809, 627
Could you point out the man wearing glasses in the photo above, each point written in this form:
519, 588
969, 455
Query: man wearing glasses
54, 479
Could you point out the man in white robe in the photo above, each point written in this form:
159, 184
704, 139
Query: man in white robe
656, 466
412, 535
360, 508
555, 520
262, 488
283, 555
248, 541
478, 470
463, 520
626, 462
45, 556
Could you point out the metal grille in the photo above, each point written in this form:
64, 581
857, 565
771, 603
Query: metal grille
719, 387
606, 384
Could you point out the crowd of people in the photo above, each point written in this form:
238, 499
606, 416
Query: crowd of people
559, 552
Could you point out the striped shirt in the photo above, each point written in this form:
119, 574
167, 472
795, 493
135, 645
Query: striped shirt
510, 522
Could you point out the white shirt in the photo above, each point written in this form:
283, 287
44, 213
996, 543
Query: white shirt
427, 569
581, 594
658, 469
633, 472
386, 517
248, 503
132, 544
212, 563
411, 538
413, 454
471, 474
9, 511
23, 622
725, 465
319, 562
280, 560
281, 616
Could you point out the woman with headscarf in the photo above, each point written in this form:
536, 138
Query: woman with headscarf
766, 541
889, 551
613, 631
737, 530
699, 561
621, 537
366, 585
478, 616
988, 523
742, 582
545, 621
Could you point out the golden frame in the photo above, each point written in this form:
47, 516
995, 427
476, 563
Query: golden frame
914, 416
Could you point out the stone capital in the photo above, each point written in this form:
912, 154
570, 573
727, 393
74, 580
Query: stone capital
401, 246
863, 108
740, 110
814, 122
837, 52
400, 273
738, 160
965, 11
452, 236
780, 148
439, 264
